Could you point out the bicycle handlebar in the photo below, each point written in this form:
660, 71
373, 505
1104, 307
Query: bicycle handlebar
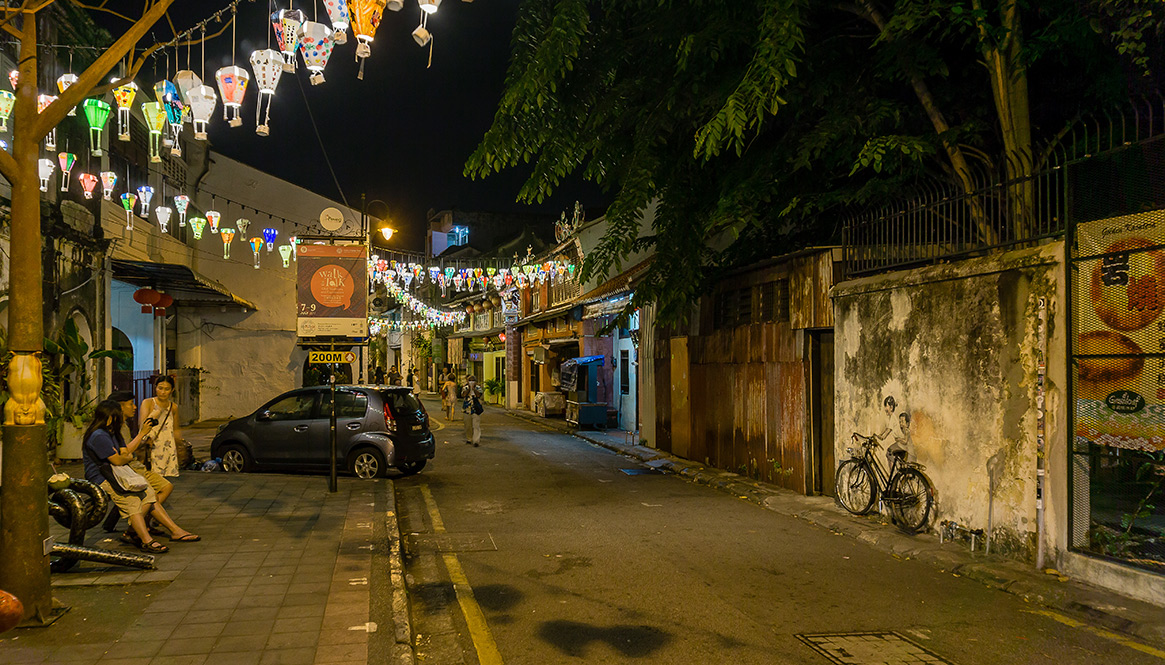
867, 441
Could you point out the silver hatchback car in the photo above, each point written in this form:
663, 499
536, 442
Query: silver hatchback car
377, 427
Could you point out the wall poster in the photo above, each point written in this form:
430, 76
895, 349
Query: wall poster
332, 291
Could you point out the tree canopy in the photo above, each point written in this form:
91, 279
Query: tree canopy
755, 124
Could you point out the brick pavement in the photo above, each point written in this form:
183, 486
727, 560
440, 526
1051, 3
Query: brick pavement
283, 575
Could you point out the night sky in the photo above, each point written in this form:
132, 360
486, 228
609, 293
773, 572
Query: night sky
401, 135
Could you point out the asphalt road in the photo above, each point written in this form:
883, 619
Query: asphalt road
566, 558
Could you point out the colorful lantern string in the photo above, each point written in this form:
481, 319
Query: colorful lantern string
269, 235
365, 15
42, 103
241, 225
63, 84
163, 213
97, 114
268, 67
202, 102
287, 24
46, 168
197, 224
256, 245
7, 102
232, 87
181, 202
88, 184
128, 201
124, 96
285, 253
108, 182
145, 194
228, 234
155, 115
213, 216
66, 160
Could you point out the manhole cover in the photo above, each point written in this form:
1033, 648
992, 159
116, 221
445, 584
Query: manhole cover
641, 472
450, 542
869, 649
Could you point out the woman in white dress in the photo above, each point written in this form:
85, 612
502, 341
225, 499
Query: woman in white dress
164, 438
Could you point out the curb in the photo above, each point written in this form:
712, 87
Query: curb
402, 651
1100, 606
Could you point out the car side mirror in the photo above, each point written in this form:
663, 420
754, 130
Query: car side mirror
266, 415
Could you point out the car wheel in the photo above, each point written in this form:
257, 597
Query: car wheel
409, 468
367, 463
235, 459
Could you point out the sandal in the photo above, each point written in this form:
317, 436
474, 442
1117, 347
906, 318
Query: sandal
153, 547
130, 538
186, 538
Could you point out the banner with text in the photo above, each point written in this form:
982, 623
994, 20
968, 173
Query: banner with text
332, 291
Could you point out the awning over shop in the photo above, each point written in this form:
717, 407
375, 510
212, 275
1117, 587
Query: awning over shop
557, 310
611, 296
186, 287
612, 305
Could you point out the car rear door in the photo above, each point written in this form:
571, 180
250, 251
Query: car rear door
411, 420
282, 430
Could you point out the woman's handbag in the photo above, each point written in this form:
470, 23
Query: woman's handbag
122, 479
478, 409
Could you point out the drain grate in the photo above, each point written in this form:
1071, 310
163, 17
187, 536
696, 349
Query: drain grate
641, 472
870, 649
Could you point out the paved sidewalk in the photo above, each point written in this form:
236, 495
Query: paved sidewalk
1112, 610
284, 574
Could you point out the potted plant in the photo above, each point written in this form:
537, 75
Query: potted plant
75, 360
494, 389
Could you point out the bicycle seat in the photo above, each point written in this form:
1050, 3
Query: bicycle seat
900, 454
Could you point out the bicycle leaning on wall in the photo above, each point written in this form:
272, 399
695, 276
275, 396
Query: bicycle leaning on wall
905, 489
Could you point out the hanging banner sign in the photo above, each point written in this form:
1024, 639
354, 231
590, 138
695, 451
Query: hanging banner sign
332, 291
1119, 287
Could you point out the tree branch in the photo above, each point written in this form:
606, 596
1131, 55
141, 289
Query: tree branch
97, 8
136, 66
7, 166
89, 79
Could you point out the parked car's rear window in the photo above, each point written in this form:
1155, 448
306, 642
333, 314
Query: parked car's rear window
403, 402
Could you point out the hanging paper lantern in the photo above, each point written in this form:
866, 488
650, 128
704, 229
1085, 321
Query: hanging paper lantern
145, 194
167, 94
124, 95
7, 101
63, 84
228, 234
186, 81
338, 13
108, 182
294, 248
198, 224
366, 15
42, 103
164, 301
232, 87
268, 67
429, 6
46, 168
180, 204
155, 115
242, 225
66, 160
163, 214
316, 47
88, 184
14, 78
213, 216
256, 245
146, 298
128, 200
285, 252
287, 24
269, 235
97, 114
202, 104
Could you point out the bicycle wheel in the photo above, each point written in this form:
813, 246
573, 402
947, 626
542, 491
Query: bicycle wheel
913, 499
855, 486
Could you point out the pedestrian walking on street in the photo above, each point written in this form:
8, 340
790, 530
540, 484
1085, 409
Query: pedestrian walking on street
393, 376
164, 439
472, 407
449, 395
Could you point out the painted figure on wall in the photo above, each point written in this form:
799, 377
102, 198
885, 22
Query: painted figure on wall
896, 430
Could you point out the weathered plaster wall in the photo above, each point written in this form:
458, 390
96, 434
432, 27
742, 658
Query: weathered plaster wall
956, 346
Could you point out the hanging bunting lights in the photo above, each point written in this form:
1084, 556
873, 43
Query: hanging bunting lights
108, 182
228, 234
66, 160
96, 114
268, 67
124, 96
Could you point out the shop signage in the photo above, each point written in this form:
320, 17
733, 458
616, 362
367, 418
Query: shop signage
332, 291
1119, 289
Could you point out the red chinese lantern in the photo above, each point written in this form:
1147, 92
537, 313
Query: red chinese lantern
146, 298
502, 338
165, 300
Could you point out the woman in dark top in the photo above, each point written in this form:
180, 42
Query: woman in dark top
103, 443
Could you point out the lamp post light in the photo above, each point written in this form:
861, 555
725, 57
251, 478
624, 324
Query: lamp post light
366, 229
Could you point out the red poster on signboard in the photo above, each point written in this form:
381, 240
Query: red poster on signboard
332, 291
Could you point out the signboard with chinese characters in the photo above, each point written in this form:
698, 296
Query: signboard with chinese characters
1119, 292
332, 291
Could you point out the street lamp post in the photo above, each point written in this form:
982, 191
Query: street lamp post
366, 229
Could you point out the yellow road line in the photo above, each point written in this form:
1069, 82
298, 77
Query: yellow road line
483, 641
1106, 634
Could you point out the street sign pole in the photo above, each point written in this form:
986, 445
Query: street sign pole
332, 474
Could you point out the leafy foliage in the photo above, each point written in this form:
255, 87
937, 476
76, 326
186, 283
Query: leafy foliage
752, 126
75, 358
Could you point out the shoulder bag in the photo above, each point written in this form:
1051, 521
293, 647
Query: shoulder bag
122, 479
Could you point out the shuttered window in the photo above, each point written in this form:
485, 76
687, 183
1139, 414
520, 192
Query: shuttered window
774, 300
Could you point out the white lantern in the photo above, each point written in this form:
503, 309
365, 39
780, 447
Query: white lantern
338, 13
316, 47
145, 193
268, 67
241, 225
163, 213
232, 87
186, 81
429, 6
46, 168
63, 84
287, 24
42, 103
202, 104
213, 216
